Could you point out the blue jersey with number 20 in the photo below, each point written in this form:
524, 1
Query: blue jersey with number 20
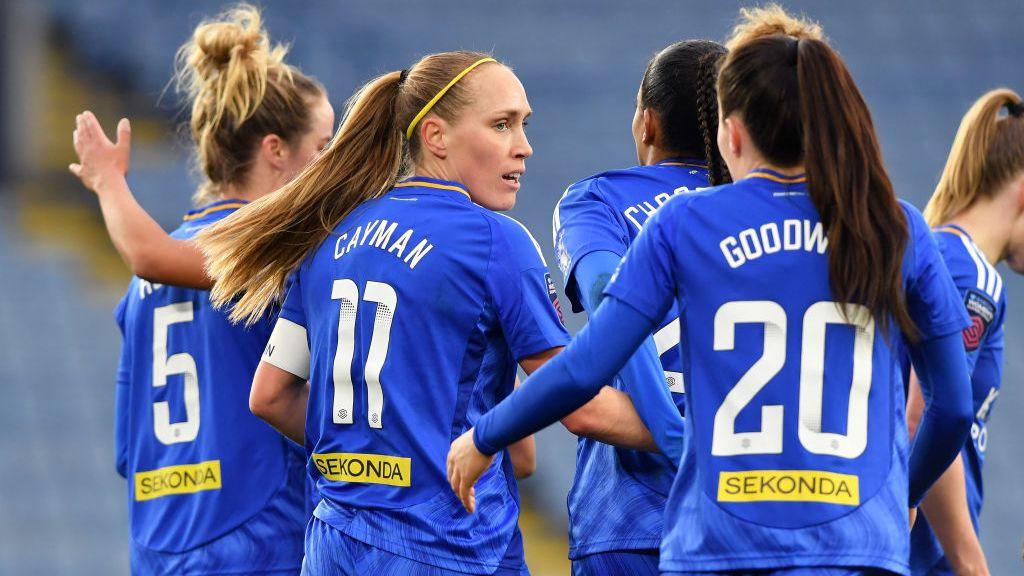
796, 450
416, 310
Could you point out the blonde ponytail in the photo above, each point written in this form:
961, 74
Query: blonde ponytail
987, 151
251, 253
240, 89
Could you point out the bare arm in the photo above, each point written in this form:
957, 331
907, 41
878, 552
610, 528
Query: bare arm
145, 247
611, 418
523, 455
945, 504
280, 398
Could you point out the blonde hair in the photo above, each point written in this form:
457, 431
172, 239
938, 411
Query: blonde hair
251, 253
987, 152
241, 90
770, 20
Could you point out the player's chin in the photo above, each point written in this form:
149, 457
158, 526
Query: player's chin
501, 198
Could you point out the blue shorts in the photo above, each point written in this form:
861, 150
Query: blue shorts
330, 552
268, 543
633, 562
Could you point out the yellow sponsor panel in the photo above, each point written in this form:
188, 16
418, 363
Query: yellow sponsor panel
181, 479
789, 486
365, 468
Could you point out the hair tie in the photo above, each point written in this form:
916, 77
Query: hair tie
794, 52
1016, 109
402, 76
429, 105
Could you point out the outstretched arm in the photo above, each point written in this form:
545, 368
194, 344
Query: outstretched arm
628, 418
945, 504
145, 247
559, 387
945, 384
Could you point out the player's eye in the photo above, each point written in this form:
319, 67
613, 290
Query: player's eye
501, 126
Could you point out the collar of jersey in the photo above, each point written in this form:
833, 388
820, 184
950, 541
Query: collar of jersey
228, 204
684, 162
955, 229
773, 176
426, 183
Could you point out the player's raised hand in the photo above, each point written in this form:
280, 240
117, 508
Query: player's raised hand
465, 465
99, 159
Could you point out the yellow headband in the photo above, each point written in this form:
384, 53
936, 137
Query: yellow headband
423, 112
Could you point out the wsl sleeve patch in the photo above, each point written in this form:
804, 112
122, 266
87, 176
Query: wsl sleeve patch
982, 312
553, 294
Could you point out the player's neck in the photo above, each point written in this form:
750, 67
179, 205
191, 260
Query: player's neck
653, 155
989, 223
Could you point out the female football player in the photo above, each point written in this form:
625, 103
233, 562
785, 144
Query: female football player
618, 496
212, 489
978, 215
411, 303
795, 462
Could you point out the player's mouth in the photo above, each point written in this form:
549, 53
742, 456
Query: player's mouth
512, 178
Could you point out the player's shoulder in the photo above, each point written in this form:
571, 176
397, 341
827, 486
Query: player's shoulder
967, 263
510, 234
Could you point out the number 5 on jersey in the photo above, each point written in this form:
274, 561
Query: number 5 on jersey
386, 299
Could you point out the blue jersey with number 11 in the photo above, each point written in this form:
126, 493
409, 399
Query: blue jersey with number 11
617, 499
796, 450
415, 311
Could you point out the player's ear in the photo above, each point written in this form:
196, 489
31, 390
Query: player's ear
733, 137
434, 131
274, 150
649, 134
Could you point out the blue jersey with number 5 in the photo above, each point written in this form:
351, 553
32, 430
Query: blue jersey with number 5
796, 450
416, 310
617, 499
198, 463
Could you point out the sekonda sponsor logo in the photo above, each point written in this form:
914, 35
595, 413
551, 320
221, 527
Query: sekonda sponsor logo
365, 468
181, 479
789, 486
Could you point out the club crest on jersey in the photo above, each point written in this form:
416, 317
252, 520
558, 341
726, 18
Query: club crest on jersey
553, 295
981, 311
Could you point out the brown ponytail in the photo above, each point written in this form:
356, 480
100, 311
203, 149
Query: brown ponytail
801, 106
251, 253
240, 90
987, 152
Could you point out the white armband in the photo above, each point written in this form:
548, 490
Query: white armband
288, 348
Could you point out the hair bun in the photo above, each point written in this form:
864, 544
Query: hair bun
771, 20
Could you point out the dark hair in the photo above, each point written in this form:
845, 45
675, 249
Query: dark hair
800, 105
679, 87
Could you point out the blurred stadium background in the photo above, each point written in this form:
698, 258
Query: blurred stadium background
920, 64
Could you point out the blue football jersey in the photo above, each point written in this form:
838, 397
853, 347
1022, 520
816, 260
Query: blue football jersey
618, 496
981, 289
198, 463
796, 449
415, 311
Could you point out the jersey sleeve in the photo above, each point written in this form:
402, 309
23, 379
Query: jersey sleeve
646, 278
980, 291
933, 300
582, 224
288, 347
121, 406
522, 291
